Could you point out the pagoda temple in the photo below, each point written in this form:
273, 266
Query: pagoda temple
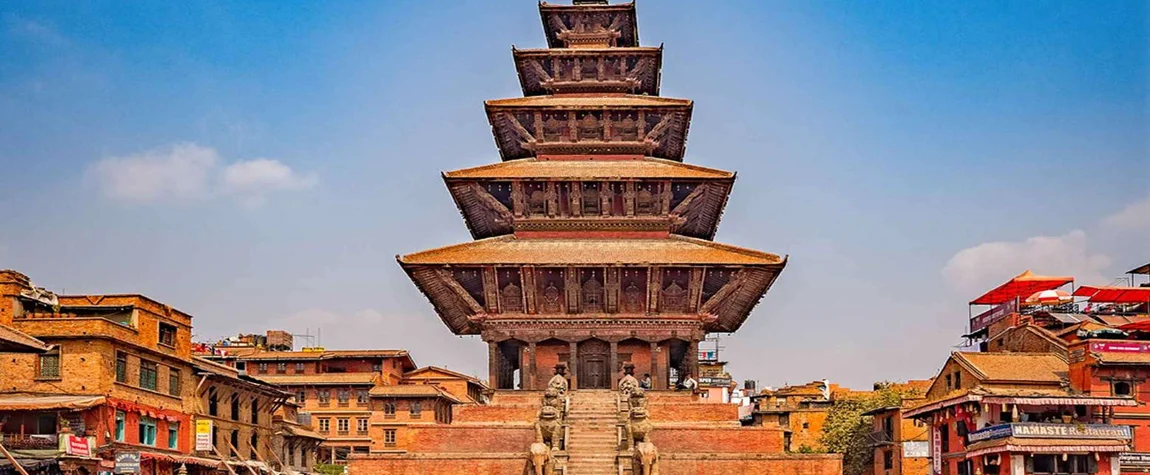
593, 242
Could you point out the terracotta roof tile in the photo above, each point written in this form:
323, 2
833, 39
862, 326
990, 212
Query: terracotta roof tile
581, 102
412, 390
326, 354
589, 170
319, 379
673, 250
1022, 367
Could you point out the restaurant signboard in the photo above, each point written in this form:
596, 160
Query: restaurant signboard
1051, 431
1000, 311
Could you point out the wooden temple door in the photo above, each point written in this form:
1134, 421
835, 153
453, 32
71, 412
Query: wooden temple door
593, 365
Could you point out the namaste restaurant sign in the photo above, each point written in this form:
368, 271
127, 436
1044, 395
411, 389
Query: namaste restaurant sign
1052, 431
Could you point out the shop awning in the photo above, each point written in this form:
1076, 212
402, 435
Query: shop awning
1114, 294
16, 341
185, 459
1046, 446
32, 402
1023, 285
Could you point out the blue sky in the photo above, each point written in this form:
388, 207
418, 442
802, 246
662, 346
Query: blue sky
260, 164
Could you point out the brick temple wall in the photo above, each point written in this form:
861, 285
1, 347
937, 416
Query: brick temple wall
440, 464
750, 464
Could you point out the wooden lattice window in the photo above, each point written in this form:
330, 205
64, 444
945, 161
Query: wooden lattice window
592, 291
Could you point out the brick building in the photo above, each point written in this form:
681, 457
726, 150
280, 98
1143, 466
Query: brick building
1014, 413
117, 373
901, 444
800, 411
238, 410
296, 442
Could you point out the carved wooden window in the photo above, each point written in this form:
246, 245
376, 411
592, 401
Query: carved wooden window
633, 285
536, 198
550, 282
566, 69
471, 279
624, 126
590, 199
555, 127
674, 291
592, 283
564, 199
510, 292
589, 66
646, 198
590, 127
617, 201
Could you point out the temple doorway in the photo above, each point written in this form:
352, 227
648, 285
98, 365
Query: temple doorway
593, 362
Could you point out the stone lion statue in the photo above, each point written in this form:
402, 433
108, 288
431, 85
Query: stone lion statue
552, 398
549, 428
638, 399
638, 427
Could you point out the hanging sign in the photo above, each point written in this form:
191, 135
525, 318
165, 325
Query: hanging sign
204, 435
127, 463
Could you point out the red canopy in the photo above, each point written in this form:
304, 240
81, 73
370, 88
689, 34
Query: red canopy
1142, 326
1114, 294
1025, 284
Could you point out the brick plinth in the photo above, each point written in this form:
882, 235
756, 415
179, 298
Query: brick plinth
513, 463
706, 464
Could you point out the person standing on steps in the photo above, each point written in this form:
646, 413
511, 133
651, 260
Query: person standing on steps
646, 382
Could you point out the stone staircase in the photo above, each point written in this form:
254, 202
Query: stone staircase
593, 435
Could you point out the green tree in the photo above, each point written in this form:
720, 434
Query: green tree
847, 431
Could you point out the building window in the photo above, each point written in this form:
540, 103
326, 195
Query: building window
965, 467
255, 412
173, 435
254, 441
389, 410
235, 407
377, 367
213, 402
147, 431
148, 373
416, 410
957, 379
1121, 388
173, 381
281, 368
324, 425
389, 437
361, 397
50, 364
120, 424
887, 460
263, 367
121, 367
944, 433
948, 383
361, 426
324, 396
343, 395
301, 396
1061, 464
235, 443
806, 425
167, 335
299, 367
343, 425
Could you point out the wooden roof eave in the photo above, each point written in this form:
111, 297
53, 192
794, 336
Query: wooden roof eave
441, 308
723, 206
731, 321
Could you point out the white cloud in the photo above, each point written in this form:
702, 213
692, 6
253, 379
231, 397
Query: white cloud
188, 171
32, 30
182, 171
1135, 215
986, 265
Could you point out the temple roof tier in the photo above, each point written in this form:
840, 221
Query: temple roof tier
589, 24
672, 250
589, 70
642, 195
590, 125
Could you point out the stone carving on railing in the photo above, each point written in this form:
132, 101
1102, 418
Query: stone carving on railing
645, 460
637, 430
541, 460
550, 429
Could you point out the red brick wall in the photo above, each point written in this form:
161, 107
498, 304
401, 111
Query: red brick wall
502, 413
676, 464
465, 439
694, 412
718, 440
494, 464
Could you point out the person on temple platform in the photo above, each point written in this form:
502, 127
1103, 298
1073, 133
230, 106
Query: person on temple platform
646, 382
688, 383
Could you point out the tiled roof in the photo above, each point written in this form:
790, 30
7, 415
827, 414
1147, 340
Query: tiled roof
323, 355
1019, 367
412, 390
580, 102
437, 369
589, 170
672, 250
319, 379
16, 341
